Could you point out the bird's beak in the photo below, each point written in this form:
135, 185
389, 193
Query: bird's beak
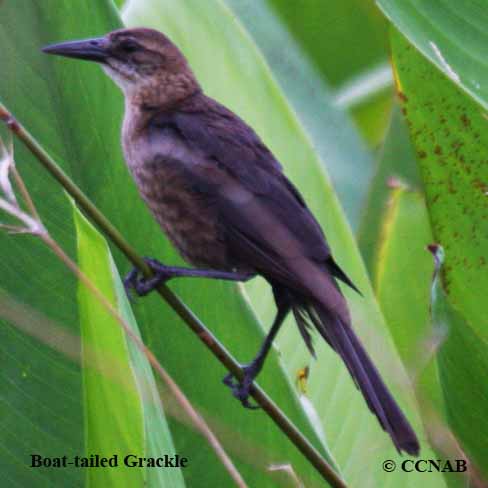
91, 49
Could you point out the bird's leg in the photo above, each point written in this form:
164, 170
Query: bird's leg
163, 273
242, 389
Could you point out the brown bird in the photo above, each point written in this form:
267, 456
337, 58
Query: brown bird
222, 199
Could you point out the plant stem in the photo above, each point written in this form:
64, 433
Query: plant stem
219, 351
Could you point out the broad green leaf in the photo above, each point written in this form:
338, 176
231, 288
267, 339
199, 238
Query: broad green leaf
403, 272
231, 70
451, 34
354, 26
448, 130
332, 133
462, 364
347, 43
123, 412
370, 105
41, 388
403, 280
75, 112
403, 275
396, 161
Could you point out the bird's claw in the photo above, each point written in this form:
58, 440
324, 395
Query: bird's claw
129, 282
242, 389
134, 280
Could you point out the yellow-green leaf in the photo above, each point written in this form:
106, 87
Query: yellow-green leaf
124, 420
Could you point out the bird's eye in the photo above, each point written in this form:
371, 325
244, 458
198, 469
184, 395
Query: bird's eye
129, 46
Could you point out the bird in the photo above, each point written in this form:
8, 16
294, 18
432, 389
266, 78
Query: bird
223, 200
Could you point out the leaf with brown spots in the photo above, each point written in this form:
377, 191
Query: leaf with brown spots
448, 129
450, 135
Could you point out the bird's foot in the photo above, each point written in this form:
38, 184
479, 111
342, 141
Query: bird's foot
134, 280
242, 389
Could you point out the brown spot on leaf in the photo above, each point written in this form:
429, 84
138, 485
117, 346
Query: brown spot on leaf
465, 120
421, 154
481, 185
450, 187
455, 144
438, 149
402, 96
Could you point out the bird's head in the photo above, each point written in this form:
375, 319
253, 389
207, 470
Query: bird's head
137, 60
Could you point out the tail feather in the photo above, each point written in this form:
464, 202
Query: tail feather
379, 400
304, 327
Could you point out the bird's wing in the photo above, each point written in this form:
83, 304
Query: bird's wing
263, 215
224, 137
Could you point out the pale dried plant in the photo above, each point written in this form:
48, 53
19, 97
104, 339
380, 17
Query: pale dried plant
28, 223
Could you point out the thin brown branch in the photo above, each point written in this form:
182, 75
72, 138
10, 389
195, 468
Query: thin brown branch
19, 182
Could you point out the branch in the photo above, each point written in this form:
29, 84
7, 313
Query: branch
193, 322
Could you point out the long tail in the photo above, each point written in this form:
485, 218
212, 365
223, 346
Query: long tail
343, 340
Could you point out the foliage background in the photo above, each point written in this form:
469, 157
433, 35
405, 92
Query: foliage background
389, 160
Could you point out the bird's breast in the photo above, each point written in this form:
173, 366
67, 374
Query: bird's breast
188, 217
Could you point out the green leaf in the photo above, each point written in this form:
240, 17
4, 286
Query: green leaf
41, 387
403, 272
462, 363
396, 161
451, 34
347, 44
123, 412
370, 106
354, 26
403, 283
448, 131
